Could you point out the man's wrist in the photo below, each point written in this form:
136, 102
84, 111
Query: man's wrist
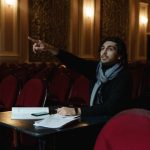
54, 50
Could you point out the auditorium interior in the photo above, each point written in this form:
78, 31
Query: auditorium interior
78, 27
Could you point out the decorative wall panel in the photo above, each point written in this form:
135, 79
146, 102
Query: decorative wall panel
49, 21
8, 30
114, 18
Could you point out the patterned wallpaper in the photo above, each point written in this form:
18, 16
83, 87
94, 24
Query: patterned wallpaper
114, 18
49, 21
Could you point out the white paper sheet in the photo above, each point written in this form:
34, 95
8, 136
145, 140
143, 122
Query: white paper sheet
25, 112
55, 121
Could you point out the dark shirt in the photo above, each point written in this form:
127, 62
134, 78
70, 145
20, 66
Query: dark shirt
115, 94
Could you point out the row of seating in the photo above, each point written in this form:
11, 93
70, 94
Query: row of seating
53, 76
55, 85
20, 69
67, 87
140, 72
59, 81
32, 93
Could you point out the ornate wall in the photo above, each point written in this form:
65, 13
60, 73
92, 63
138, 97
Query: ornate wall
114, 18
64, 24
49, 21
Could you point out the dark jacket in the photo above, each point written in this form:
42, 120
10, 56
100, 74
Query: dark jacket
116, 93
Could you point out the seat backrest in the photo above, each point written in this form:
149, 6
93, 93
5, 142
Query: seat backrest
32, 94
136, 69
128, 130
8, 92
79, 93
58, 86
145, 87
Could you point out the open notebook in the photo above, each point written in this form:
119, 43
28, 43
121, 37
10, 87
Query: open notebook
56, 121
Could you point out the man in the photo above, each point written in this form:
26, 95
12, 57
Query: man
110, 78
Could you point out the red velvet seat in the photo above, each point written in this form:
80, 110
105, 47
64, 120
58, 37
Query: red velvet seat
58, 86
145, 87
32, 93
5, 70
44, 73
21, 74
79, 93
136, 70
8, 92
128, 130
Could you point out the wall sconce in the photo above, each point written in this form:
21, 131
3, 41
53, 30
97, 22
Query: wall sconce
10, 2
88, 9
143, 14
142, 31
89, 12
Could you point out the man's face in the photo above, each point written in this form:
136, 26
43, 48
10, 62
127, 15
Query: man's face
108, 53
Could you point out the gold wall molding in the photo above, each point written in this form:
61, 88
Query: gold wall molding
138, 31
84, 30
13, 31
8, 30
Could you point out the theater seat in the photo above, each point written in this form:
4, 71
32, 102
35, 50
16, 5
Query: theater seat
145, 87
128, 130
32, 94
79, 93
136, 69
8, 92
58, 86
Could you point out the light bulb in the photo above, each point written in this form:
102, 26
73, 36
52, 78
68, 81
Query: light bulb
10, 2
143, 20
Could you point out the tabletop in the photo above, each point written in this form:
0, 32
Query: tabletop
26, 126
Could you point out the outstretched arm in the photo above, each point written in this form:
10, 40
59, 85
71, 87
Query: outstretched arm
86, 67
